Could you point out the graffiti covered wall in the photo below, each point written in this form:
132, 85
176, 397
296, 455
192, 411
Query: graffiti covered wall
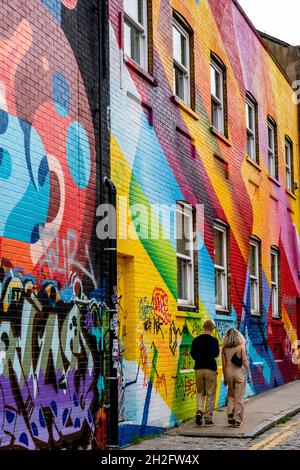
52, 315
153, 162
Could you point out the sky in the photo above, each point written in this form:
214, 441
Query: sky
277, 18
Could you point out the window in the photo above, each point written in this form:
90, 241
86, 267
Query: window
289, 164
220, 260
181, 62
272, 150
275, 282
251, 125
185, 254
217, 96
135, 31
254, 265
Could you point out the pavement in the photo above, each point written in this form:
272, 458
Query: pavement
284, 436
262, 413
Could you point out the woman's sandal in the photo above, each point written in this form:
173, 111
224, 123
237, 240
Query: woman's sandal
230, 420
236, 424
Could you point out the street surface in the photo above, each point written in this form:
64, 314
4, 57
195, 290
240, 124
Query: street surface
285, 436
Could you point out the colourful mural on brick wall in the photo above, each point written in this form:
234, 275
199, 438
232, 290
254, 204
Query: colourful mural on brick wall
150, 168
51, 315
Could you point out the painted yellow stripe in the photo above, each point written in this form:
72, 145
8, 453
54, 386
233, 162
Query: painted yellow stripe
276, 435
278, 440
264, 441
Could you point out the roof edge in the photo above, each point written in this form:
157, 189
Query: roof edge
274, 39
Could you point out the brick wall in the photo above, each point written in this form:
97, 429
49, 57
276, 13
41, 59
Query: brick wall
150, 166
53, 117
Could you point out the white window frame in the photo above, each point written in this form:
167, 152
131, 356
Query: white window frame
223, 269
275, 285
186, 70
251, 129
272, 149
187, 210
142, 30
255, 278
217, 101
289, 164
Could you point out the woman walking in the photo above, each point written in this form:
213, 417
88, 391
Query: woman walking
234, 357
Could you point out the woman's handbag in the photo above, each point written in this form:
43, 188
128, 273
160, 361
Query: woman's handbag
237, 360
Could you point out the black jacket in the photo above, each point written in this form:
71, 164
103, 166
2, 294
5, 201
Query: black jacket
205, 349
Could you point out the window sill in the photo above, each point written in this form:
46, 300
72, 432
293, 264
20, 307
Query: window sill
256, 317
221, 159
223, 315
292, 195
220, 136
182, 306
277, 322
274, 180
140, 71
184, 107
186, 314
253, 163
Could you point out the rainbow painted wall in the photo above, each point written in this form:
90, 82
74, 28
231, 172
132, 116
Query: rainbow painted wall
156, 379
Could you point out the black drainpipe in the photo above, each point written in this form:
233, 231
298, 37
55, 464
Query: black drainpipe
108, 247
113, 418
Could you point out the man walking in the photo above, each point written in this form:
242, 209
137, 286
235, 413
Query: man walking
204, 351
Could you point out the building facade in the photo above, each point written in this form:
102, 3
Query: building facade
204, 121
54, 153
175, 111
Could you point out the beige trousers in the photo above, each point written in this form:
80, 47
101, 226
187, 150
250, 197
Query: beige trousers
206, 383
236, 403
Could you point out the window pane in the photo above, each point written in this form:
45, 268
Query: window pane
274, 268
141, 12
212, 80
275, 306
271, 165
135, 46
217, 116
288, 154
220, 273
132, 42
184, 234
182, 270
218, 246
289, 179
288, 162
179, 83
253, 260
134, 8
271, 137
127, 39
250, 117
218, 288
183, 51
247, 116
251, 146
177, 45
254, 295
216, 82
219, 84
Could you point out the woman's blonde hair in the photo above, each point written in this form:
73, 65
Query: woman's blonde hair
232, 338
